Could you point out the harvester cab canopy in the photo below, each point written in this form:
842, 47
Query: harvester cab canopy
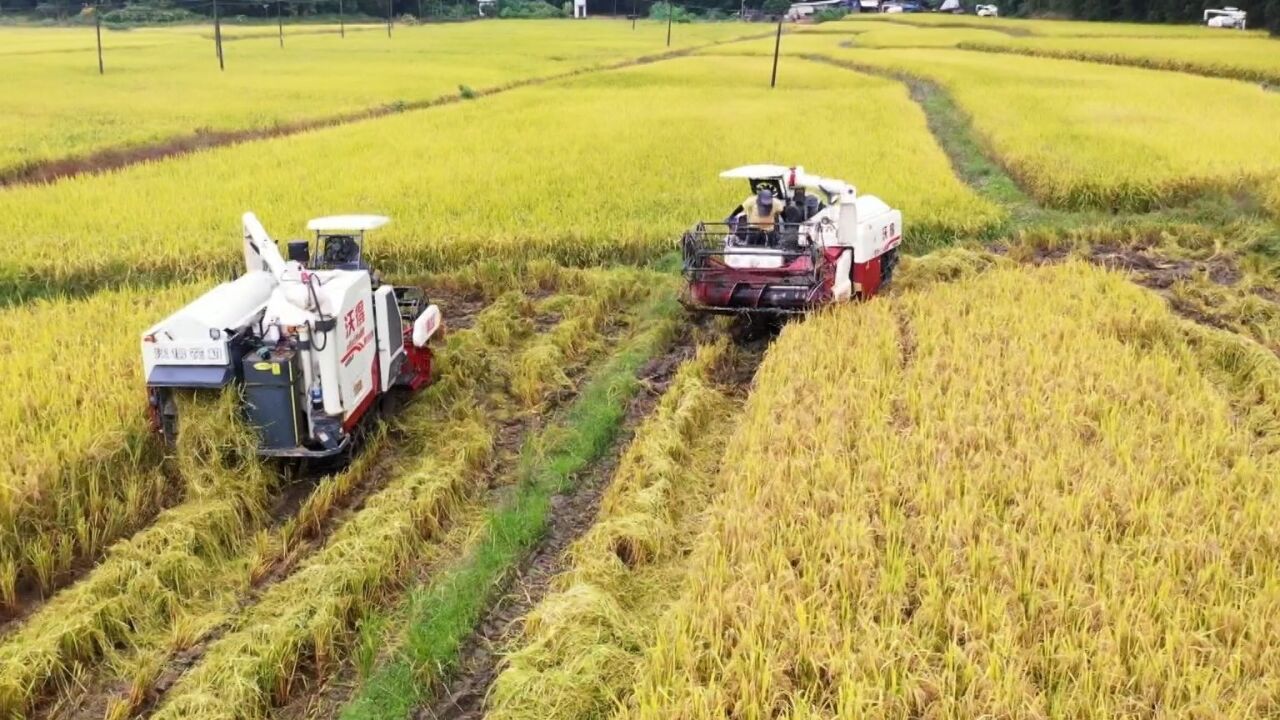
339, 242
782, 181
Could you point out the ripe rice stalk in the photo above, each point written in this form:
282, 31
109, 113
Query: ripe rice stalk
78, 465
1034, 493
143, 582
579, 646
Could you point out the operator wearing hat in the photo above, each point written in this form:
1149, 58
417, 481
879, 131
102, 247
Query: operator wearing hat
760, 213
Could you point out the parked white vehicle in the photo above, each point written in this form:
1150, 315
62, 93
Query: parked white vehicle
987, 11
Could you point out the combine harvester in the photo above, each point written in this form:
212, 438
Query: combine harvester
316, 341
826, 244
1227, 17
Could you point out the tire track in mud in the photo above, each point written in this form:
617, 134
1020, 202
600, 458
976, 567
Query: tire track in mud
109, 159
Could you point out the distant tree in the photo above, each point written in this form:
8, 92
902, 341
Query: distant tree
1273, 17
775, 7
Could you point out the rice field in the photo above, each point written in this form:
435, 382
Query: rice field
464, 182
1083, 135
899, 542
1252, 59
1034, 477
165, 83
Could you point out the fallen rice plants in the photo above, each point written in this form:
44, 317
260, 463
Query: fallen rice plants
446, 609
1034, 493
579, 650
180, 579
498, 189
299, 627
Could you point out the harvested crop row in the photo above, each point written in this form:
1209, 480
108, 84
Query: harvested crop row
1035, 493
579, 648
1080, 135
146, 585
300, 626
450, 211
76, 469
135, 608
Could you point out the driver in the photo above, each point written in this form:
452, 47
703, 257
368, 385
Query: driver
761, 212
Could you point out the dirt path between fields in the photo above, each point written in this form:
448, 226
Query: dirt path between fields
101, 161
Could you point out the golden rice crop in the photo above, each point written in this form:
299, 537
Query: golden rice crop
148, 585
882, 35
309, 614
77, 468
1255, 58
1083, 135
607, 166
580, 645
161, 83
159, 591
1033, 494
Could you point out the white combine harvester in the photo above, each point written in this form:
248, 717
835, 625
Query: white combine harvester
316, 340
829, 245
1227, 17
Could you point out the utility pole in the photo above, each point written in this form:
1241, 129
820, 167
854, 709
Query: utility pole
777, 44
419, 9
633, 14
390, 5
97, 28
342, 25
742, 11
217, 35
671, 10
280, 20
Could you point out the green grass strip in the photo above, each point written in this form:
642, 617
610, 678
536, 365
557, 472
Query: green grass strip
443, 613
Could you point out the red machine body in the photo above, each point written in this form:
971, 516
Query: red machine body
829, 245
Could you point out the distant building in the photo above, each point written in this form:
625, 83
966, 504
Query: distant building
579, 8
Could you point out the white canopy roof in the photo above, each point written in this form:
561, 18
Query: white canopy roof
747, 172
831, 186
339, 223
